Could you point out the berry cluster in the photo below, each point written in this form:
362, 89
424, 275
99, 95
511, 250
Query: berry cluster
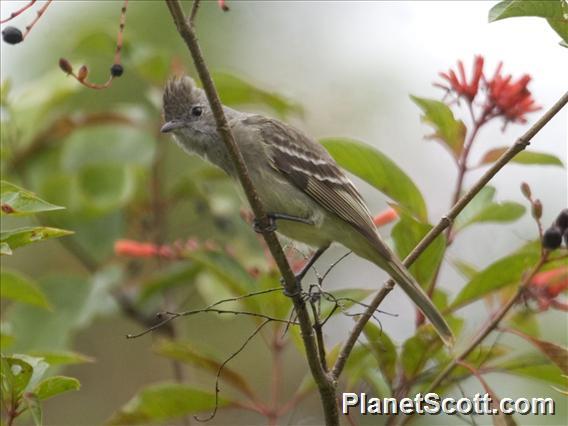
552, 237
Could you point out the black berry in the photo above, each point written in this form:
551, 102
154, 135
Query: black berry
566, 237
562, 220
12, 35
116, 70
552, 238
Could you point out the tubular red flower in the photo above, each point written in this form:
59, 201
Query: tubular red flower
460, 85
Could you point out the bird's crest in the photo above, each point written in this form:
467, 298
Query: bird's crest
179, 95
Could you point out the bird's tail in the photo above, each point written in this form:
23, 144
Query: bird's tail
407, 282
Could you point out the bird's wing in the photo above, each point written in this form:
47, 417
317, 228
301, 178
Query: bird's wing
310, 168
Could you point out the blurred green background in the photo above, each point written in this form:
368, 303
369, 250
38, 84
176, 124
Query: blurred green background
331, 68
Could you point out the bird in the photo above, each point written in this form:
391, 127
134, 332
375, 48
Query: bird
308, 197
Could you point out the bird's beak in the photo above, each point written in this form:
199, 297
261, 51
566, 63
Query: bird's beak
171, 125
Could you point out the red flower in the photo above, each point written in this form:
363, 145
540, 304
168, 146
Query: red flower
511, 99
460, 85
546, 286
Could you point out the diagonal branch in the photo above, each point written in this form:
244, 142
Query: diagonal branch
445, 221
325, 384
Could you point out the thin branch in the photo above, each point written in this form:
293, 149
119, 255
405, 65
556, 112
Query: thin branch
217, 377
18, 12
445, 221
326, 384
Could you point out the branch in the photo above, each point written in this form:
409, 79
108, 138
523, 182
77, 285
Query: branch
325, 383
445, 221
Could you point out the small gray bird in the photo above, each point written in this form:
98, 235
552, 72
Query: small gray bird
297, 180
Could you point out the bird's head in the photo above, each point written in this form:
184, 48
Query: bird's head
186, 109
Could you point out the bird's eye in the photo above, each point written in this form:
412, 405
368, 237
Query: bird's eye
196, 111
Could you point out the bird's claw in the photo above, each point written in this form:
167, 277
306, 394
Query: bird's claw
260, 229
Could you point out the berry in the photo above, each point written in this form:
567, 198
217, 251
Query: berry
566, 237
12, 35
552, 238
116, 70
562, 220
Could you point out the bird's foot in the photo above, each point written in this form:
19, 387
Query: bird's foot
269, 227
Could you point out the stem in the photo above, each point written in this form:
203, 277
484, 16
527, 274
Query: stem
445, 221
326, 384
489, 326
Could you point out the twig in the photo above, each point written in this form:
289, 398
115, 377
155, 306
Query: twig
18, 12
445, 221
39, 14
489, 327
217, 377
173, 315
326, 385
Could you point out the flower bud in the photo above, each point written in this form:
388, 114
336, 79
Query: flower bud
537, 209
83, 72
526, 190
65, 66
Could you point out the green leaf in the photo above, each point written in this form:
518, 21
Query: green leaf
107, 146
6, 335
556, 353
466, 269
533, 366
553, 11
406, 234
19, 237
378, 170
33, 405
76, 300
18, 288
226, 268
418, 349
55, 385
62, 357
107, 187
164, 401
5, 249
523, 157
505, 271
383, 350
483, 209
17, 201
448, 130
235, 91
187, 353
15, 375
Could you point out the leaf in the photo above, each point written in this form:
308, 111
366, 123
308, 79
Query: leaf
169, 276
15, 375
384, 351
106, 187
483, 209
18, 288
226, 268
5, 249
532, 366
448, 130
107, 146
407, 233
164, 401
523, 157
34, 407
465, 269
556, 353
19, 237
55, 385
417, 350
235, 91
16, 201
6, 335
76, 300
552, 11
187, 353
505, 271
378, 170
62, 357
